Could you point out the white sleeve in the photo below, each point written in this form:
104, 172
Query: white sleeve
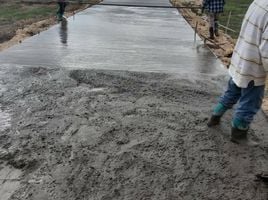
264, 49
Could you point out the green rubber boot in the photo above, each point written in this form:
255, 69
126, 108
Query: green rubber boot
217, 113
239, 131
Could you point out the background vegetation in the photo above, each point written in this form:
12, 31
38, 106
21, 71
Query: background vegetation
236, 9
10, 12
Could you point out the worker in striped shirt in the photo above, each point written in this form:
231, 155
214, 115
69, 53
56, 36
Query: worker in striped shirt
214, 8
248, 71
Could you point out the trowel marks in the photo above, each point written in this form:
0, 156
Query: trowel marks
89, 134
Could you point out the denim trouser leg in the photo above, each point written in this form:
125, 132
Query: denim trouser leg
231, 95
250, 100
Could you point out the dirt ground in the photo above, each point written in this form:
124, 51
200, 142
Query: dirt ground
88, 134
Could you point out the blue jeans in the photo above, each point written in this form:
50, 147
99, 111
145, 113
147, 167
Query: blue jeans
250, 100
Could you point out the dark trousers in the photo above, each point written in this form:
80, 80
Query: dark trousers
213, 20
61, 9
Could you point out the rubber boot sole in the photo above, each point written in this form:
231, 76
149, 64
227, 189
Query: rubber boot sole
214, 121
240, 137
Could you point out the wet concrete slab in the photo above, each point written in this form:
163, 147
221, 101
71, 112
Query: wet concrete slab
118, 38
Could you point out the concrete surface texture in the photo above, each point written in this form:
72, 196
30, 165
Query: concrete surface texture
113, 104
120, 38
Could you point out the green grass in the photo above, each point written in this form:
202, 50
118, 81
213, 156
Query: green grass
13, 12
238, 9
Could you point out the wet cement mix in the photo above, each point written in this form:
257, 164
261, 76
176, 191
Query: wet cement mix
90, 134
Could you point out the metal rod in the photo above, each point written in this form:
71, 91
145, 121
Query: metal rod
227, 28
195, 31
228, 21
133, 5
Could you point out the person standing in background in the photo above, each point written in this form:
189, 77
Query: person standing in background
62, 4
214, 8
248, 71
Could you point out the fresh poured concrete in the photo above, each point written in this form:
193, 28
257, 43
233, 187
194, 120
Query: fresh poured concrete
118, 38
73, 127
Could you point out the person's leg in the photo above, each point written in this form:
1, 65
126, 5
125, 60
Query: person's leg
227, 100
249, 104
231, 95
211, 25
63, 7
60, 10
216, 24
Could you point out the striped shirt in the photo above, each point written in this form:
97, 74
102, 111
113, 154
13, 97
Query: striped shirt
250, 57
214, 6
